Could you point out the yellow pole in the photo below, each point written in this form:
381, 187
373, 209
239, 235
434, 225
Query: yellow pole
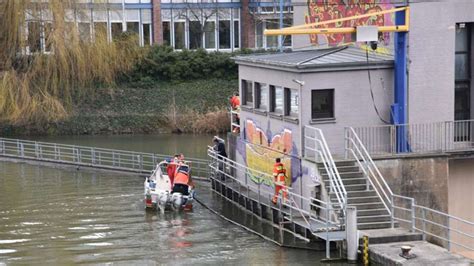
365, 251
287, 31
348, 18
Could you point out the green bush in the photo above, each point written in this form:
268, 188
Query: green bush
161, 63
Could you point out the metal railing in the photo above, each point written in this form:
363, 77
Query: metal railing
317, 150
130, 161
224, 170
436, 137
356, 149
438, 227
234, 120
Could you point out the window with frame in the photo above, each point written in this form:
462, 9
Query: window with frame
247, 92
166, 33
179, 35
322, 104
224, 34
261, 94
462, 72
276, 96
292, 102
210, 34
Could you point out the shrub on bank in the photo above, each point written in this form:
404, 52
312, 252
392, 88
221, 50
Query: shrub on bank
161, 63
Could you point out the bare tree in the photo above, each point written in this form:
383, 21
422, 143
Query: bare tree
270, 15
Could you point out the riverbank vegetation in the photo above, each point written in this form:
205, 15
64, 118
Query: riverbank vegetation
68, 84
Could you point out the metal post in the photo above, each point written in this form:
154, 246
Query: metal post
449, 234
423, 215
259, 193
93, 155
328, 247
22, 150
392, 210
351, 233
56, 151
36, 150
346, 143
413, 215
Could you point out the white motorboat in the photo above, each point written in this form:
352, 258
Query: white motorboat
158, 191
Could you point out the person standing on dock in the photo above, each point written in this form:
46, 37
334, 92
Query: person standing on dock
219, 147
279, 175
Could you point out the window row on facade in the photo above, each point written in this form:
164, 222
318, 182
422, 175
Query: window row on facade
213, 29
281, 101
274, 99
90, 24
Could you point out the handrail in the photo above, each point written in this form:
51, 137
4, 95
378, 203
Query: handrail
357, 149
320, 147
218, 164
421, 138
90, 156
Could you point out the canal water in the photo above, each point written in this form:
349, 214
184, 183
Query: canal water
52, 215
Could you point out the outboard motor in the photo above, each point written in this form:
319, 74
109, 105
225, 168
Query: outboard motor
163, 198
177, 200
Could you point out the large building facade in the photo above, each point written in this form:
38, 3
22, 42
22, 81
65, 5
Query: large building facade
223, 25
214, 25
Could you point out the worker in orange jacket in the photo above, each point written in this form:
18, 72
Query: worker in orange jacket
279, 175
235, 105
235, 101
182, 180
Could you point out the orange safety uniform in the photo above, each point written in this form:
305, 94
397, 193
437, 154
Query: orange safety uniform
279, 175
235, 102
181, 178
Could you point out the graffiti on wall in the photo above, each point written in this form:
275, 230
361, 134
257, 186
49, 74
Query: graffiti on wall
323, 10
261, 149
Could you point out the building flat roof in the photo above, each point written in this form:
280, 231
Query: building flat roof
337, 58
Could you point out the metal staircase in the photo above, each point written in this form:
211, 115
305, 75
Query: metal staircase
371, 212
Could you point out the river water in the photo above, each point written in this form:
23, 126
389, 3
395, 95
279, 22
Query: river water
52, 215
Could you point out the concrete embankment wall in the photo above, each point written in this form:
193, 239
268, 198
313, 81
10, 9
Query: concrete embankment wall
423, 178
444, 183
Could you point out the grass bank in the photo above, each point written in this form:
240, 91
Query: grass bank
197, 106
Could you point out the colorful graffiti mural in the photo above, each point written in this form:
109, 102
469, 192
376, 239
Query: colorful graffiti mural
323, 10
261, 149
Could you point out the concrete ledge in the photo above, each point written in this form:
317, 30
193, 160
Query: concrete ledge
390, 235
426, 254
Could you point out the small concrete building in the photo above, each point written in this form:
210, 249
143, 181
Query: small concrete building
281, 93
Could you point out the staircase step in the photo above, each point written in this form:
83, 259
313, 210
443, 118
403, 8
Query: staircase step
356, 187
352, 194
340, 163
349, 181
373, 219
369, 199
367, 205
379, 225
340, 169
345, 175
371, 212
